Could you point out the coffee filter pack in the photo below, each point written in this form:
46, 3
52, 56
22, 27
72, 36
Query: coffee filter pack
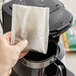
30, 23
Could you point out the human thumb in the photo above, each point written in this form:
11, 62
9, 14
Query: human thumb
21, 45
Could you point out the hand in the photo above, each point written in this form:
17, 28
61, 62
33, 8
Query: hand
9, 54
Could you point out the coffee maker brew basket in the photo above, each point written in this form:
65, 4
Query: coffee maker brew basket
35, 63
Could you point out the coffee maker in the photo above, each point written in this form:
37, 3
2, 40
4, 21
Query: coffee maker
37, 64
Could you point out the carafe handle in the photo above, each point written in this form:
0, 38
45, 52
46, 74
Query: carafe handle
61, 67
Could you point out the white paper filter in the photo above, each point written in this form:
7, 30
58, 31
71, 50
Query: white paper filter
31, 23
